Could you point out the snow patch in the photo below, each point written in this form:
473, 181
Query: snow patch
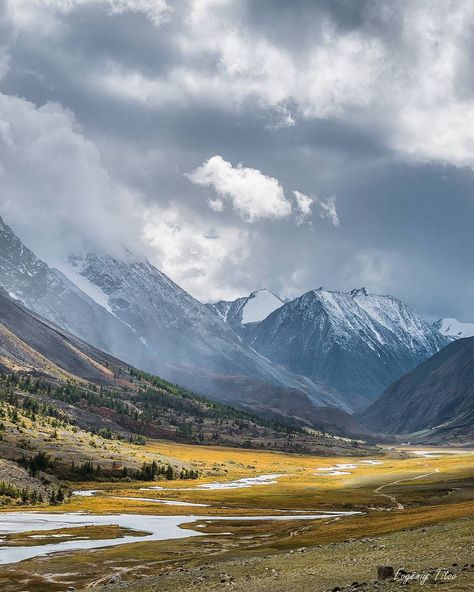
81, 282
454, 328
259, 305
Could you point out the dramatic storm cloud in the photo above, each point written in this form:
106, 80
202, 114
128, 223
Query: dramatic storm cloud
238, 144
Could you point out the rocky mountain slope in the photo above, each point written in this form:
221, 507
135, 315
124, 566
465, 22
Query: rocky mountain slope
49, 293
31, 344
356, 342
454, 328
435, 400
130, 309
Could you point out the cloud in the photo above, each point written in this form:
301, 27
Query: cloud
60, 199
53, 186
304, 203
216, 204
197, 259
29, 14
328, 210
254, 195
404, 75
369, 101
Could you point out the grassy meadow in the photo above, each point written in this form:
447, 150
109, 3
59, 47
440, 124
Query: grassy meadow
403, 495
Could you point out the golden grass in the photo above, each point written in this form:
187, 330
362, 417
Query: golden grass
444, 495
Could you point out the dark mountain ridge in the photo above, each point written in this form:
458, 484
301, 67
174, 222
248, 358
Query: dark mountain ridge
434, 402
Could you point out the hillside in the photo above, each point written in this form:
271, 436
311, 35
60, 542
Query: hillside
434, 402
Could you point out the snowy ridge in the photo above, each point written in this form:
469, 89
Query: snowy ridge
73, 274
66, 299
454, 328
191, 344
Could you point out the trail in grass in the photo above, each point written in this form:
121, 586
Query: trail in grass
392, 498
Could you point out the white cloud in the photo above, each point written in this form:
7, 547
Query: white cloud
415, 89
217, 205
54, 188
253, 194
195, 259
158, 11
59, 198
44, 16
304, 203
328, 210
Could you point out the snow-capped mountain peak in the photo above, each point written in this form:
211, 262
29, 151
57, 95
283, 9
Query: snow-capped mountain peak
129, 308
248, 309
259, 305
453, 328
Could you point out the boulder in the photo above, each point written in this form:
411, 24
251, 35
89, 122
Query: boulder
384, 572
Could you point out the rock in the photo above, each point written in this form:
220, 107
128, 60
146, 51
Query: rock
336, 589
71, 589
226, 579
115, 579
384, 572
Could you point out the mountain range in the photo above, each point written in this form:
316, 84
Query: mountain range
133, 311
99, 392
356, 342
303, 358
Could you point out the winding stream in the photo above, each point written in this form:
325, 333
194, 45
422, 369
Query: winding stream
159, 528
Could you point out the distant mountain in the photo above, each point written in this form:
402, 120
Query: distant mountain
248, 309
357, 343
454, 328
434, 402
133, 311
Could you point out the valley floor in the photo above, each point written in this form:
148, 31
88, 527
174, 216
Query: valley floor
414, 511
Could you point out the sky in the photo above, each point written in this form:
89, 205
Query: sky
239, 144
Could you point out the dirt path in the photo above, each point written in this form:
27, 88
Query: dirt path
392, 498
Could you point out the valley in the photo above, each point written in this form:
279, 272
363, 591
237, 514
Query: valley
114, 478
266, 529
236, 296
